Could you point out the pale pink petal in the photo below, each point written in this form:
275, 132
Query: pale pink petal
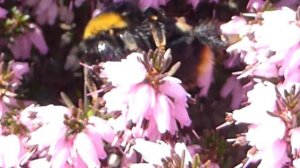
97, 141
295, 139
117, 98
127, 72
152, 132
152, 152
12, 148
162, 113
255, 133
61, 153
274, 155
103, 128
181, 115
86, 150
139, 104
179, 149
172, 87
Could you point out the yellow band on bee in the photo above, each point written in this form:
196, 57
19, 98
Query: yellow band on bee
104, 22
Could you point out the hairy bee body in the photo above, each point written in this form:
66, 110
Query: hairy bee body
123, 29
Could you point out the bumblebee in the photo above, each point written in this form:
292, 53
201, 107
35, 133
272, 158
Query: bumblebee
122, 28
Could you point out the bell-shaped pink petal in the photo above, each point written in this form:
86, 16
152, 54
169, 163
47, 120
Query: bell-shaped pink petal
139, 104
61, 153
172, 87
96, 138
38, 40
162, 114
86, 150
181, 114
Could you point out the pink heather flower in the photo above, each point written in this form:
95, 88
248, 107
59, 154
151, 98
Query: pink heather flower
3, 13
265, 54
82, 149
139, 100
21, 48
153, 153
271, 149
278, 20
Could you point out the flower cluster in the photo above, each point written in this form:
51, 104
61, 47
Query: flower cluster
267, 42
151, 115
